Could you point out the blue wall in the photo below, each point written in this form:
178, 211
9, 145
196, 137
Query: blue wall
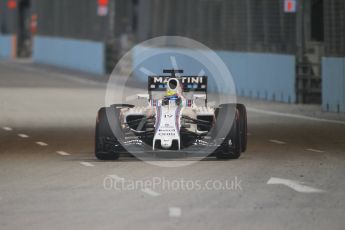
257, 75
262, 75
5, 45
87, 56
333, 84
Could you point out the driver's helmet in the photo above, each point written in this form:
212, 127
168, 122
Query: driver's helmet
172, 93
173, 88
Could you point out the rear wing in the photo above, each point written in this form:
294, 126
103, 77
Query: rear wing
188, 83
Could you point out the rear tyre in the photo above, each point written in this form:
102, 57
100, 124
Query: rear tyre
107, 146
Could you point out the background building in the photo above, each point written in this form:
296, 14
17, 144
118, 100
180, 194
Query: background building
282, 50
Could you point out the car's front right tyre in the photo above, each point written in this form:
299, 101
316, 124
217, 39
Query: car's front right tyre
104, 137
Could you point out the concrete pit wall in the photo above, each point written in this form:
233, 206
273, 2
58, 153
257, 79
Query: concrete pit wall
82, 55
6, 45
333, 84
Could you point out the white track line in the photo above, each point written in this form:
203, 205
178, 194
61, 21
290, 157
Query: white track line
290, 115
87, 164
40, 143
22, 135
175, 212
315, 150
278, 142
150, 192
62, 153
295, 185
6, 128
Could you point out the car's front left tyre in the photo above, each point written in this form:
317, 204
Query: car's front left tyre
227, 127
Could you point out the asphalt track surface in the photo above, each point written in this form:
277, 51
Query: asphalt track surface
291, 177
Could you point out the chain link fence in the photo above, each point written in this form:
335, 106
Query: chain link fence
70, 18
334, 13
239, 25
79, 19
7, 18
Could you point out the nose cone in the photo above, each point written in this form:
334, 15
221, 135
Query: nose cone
166, 143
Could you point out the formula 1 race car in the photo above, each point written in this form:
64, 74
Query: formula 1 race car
176, 118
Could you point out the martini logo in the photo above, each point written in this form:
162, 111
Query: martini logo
184, 80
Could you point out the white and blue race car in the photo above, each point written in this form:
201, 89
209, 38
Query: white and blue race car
176, 118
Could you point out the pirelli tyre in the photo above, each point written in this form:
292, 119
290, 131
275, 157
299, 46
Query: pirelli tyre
107, 146
227, 130
243, 126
